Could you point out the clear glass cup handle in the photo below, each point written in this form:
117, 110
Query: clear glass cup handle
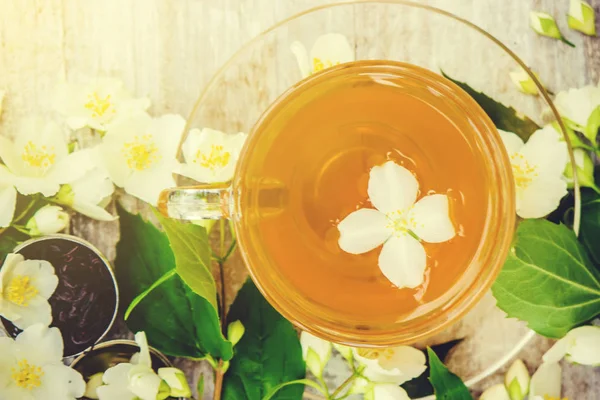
194, 203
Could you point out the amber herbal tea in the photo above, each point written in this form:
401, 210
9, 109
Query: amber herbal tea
365, 194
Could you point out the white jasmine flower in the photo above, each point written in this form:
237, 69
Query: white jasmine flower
316, 352
31, 367
25, 287
139, 153
538, 167
8, 197
328, 50
210, 155
582, 17
581, 345
577, 106
392, 365
39, 158
546, 382
47, 220
544, 24
135, 380
399, 222
97, 104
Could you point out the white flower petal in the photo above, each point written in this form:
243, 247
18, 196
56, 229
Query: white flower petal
547, 151
8, 202
93, 211
392, 187
363, 230
118, 375
37, 312
329, 50
147, 185
301, 54
431, 216
144, 354
72, 167
546, 381
112, 392
584, 345
60, 382
495, 392
512, 142
403, 261
167, 131
557, 351
40, 344
387, 391
93, 187
409, 360
28, 186
540, 197
144, 382
42, 274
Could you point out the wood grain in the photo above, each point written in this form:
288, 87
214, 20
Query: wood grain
169, 49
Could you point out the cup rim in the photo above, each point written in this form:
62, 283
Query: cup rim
107, 265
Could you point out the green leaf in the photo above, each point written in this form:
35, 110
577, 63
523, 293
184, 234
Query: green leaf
505, 118
268, 355
421, 386
9, 239
177, 321
590, 224
446, 385
192, 254
548, 280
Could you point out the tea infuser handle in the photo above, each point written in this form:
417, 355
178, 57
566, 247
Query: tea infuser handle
195, 202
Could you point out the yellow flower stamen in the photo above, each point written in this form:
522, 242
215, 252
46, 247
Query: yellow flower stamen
523, 172
38, 156
401, 221
217, 158
371, 354
546, 397
27, 376
141, 153
99, 106
319, 65
20, 290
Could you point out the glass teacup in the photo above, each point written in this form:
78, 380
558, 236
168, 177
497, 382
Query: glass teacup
284, 249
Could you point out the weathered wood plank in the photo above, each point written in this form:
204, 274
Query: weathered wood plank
169, 49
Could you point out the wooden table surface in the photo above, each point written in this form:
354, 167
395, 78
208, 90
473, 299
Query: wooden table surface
169, 49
